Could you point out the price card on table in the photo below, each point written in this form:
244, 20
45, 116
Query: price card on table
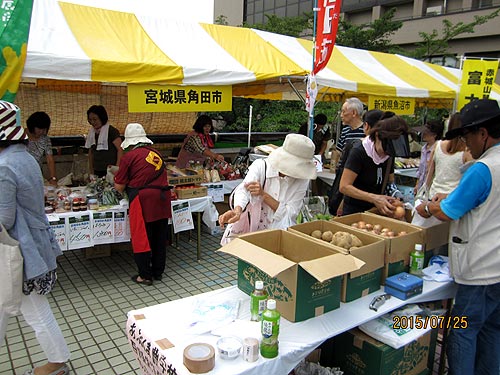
181, 216
216, 191
120, 223
102, 227
59, 228
79, 232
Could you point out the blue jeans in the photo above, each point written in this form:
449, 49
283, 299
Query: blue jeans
475, 350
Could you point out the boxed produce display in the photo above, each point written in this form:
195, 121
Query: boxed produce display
190, 191
400, 238
370, 249
305, 284
359, 354
183, 176
434, 237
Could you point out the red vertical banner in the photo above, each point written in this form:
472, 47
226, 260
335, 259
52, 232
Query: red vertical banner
326, 32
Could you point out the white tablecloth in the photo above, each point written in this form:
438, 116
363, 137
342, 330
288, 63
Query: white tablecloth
205, 205
148, 328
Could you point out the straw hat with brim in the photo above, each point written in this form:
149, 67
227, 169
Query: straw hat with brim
10, 123
295, 157
134, 134
474, 114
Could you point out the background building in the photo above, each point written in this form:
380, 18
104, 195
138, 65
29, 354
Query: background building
417, 15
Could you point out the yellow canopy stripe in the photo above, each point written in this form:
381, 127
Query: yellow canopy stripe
124, 54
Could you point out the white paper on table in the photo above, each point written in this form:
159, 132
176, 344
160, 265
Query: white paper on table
79, 231
102, 227
59, 228
181, 216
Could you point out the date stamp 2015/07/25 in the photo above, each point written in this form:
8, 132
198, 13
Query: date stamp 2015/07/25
425, 322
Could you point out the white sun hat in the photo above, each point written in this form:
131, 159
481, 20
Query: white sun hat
134, 134
295, 157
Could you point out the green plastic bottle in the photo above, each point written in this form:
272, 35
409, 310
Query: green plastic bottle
257, 301
417, 260
270, 328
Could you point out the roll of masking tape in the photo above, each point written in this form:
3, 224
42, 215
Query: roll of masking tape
199, 358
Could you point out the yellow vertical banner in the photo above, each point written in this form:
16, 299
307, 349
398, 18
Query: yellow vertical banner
171, 98
400, 106
477, 81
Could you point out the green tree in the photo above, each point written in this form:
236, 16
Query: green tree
291, 26
374, 36
437, 43
221, 20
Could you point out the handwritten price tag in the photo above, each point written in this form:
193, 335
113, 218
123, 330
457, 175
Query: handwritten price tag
102, 227
120, 223
59, 228
182, 217
79, 232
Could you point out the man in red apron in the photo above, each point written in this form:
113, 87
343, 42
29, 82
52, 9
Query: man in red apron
143, 176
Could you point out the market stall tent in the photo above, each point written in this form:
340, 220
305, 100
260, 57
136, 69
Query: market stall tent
74, 42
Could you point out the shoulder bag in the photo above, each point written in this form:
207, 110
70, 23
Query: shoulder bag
11, 274
246, 224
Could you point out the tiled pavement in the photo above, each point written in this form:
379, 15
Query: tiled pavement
93, 296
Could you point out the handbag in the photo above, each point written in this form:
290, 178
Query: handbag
11, 274
245, 224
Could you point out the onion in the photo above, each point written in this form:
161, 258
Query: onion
399, 212
402, 233
377, 227
355, 225
383, 230
361, 225
369, 226
391, 234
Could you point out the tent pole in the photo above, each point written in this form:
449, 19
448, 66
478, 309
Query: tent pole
249, 125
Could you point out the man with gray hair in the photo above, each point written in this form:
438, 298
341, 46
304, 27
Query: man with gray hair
352, 118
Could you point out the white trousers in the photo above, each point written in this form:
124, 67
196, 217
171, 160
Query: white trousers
38, 314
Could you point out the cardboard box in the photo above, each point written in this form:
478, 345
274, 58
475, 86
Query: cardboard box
192, 177
367, 279
191, 192
403, 285
359, 354
301, 275
433, 237
398, 249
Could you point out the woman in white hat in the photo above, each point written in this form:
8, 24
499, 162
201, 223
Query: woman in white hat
23, 216
143, 175
279, 183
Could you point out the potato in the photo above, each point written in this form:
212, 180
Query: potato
402, 233
355, 225
391, 234
361, 224
377, 227
369, 226
316, 234
383, 230
342, 239
327, 236
355, 241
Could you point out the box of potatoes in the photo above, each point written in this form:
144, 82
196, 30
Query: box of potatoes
364, 246
400, 238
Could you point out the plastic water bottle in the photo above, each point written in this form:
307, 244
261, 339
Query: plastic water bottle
270, 328
257, 301
417, 260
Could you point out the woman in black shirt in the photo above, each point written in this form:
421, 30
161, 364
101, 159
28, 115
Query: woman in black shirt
366, 167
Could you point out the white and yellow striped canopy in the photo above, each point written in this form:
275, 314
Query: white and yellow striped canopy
74, 42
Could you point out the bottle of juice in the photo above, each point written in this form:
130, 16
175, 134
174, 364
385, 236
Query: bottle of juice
270, 328
417, 260
257, 301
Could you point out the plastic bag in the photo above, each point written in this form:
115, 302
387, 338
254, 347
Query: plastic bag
210, 314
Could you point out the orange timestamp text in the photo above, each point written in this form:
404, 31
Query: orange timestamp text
426, 322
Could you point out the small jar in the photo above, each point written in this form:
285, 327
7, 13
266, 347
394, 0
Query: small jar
93, 204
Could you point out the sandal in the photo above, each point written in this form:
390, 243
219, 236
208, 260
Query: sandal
63, 370
143, 281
